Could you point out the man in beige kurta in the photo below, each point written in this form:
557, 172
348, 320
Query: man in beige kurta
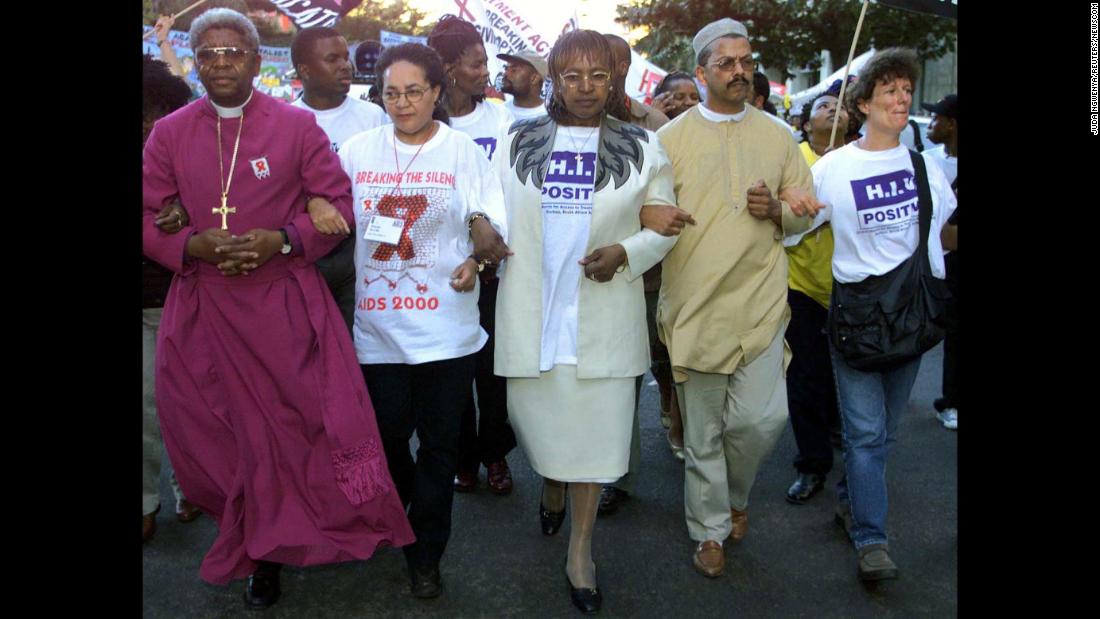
723, 304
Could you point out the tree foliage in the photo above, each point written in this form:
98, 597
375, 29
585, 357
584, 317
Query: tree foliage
786, 33
363, 23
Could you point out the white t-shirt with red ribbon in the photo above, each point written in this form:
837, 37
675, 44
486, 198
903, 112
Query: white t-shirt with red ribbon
411, 233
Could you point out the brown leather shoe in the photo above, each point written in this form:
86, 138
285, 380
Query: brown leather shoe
709, 559
466, 481
149, 525
185, 511
739, 525
500, 477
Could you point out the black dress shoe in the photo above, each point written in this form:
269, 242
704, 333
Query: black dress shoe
551, 521
426, 582
263, 586
588, 601
610, 499
807, 485
466, 480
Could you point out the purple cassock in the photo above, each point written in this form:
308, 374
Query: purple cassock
262, 404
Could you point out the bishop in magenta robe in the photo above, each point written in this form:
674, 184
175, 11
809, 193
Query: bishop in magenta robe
264, 411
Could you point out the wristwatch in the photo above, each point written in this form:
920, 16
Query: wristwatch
286, 243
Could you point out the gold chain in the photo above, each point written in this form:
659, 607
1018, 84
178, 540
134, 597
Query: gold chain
225, 183
585, 142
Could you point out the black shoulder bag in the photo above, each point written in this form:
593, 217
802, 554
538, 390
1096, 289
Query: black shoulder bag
887, 320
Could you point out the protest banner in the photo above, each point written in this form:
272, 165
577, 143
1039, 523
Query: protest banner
508, 26
389, 39
309, 13
275, 65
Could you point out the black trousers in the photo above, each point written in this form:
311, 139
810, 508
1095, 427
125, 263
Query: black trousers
338, 269
951, 337
428, 399
811, 390
490, 438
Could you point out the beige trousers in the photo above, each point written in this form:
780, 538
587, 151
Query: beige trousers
731, 423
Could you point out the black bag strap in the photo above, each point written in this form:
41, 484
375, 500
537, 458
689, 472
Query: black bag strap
917, 142
924, 203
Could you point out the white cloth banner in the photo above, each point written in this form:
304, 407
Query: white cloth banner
643, 77
508, 26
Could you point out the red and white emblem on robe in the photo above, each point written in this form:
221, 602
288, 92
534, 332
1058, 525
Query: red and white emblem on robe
260, 167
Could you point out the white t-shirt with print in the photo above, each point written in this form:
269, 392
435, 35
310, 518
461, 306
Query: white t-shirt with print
523, 113
347, 119
487, 125
871, 201
567, 195
405, 308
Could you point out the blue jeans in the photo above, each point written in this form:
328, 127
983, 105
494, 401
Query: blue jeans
870, 405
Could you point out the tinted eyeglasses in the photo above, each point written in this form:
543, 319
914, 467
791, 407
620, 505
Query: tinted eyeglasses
207, 55
414, 95
726, 64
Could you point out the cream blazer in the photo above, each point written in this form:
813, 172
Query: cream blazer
612, 339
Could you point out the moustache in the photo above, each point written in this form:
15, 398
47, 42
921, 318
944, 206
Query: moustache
737, 80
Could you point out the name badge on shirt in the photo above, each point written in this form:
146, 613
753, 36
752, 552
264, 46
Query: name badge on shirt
384, 229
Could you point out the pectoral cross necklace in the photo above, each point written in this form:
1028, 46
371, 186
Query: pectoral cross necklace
578, 156
225, 210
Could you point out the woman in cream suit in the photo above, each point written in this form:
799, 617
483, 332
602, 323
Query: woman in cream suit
571, 308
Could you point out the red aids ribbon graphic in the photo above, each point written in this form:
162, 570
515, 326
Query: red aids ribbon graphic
409, 208
463, 13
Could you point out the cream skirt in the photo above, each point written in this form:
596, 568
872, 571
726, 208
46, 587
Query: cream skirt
573, 430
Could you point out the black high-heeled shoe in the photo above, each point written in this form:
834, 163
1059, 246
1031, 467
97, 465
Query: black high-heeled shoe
552, 521
588, 601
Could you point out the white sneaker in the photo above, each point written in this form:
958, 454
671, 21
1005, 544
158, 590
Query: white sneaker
950, 418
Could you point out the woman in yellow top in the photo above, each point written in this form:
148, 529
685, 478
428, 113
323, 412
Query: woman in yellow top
811, 396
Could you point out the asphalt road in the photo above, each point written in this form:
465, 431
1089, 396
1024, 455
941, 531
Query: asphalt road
795, 562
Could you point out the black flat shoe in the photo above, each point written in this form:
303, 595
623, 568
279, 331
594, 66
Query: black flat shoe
263, 586
588, 601
551, 521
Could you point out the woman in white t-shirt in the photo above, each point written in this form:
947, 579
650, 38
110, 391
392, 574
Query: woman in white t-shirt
870, 194
571, 325
467, 65
425, 202
486, 435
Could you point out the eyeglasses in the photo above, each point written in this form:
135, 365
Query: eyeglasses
598, 79
413, 95
207, 55
726, 64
